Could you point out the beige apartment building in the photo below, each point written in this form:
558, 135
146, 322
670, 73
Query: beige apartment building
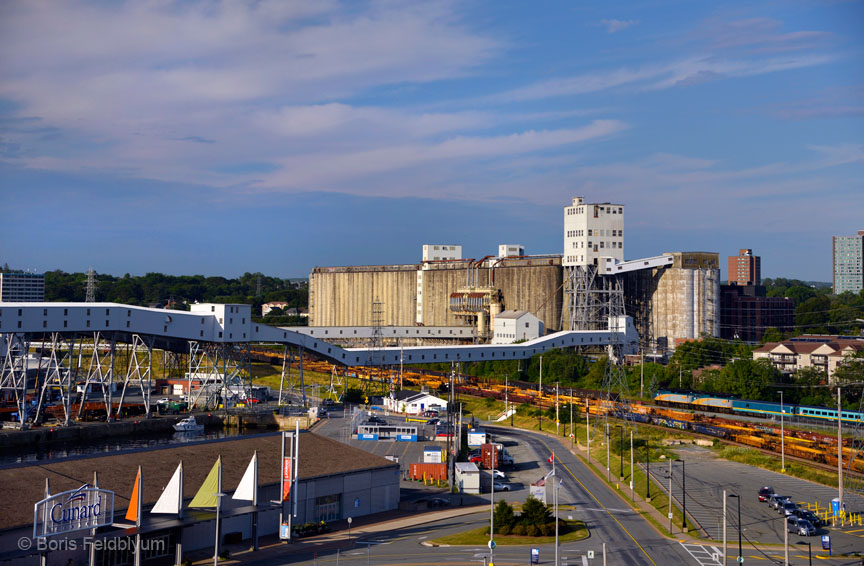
825, 353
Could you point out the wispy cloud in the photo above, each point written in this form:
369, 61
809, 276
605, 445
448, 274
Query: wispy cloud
682, 72
613, 26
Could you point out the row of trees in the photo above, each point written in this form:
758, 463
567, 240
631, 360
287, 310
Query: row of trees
817, 310
158, 288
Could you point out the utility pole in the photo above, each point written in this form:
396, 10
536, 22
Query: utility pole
642, 373
782, 439
725, 546
572, 436
670, 496
839, 451
588, 428
606, 432
540, 396
557, 419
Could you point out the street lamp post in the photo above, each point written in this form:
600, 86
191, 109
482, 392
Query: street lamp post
683, 496
725, 546
350, 520
632, 481
608, 471
740, 555
809, 550
620, 452
647, 471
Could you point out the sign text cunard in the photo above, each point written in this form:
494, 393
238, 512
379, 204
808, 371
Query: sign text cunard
83, 508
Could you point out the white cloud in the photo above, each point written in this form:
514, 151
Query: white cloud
329, 170
613, 26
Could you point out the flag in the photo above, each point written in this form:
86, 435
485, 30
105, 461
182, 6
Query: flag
132, 514
172, 496
206, 496
551, 459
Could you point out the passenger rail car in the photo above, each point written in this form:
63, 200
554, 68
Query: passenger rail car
703, 402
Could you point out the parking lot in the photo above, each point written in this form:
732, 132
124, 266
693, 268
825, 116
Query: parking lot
708, 476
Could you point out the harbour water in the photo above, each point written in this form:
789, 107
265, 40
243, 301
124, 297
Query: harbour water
30, 455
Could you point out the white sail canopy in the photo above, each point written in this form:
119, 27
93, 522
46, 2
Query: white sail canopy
246, 489
170, 500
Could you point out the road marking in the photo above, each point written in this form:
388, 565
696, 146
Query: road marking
563, 465
700, 554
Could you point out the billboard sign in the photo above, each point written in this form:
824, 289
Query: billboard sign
83, 508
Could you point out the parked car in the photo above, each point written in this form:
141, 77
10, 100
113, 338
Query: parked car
765, 493
438, 502
375, 420
801, 527
434, 421
776, 501
499, 486
163, 401
787, 508
499, 475
808, 516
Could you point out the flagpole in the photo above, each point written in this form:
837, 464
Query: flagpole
296, 465
255, 503
139, 503
93, 531
178, 556
555, 480
218, 508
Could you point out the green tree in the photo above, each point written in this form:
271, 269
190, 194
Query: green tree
504, 515
535, 512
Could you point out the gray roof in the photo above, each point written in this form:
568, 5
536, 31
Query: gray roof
511, 314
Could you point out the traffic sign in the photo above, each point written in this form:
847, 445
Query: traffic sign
492, 545
740, 560
590, 555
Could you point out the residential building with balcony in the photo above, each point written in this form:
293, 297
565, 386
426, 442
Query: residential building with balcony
824, 353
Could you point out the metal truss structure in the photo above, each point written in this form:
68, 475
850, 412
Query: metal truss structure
296, 385
58, 379
100, 373
13, 370
378, 381
139, 370
221, 373
336, 389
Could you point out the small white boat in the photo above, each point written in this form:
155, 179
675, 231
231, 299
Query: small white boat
188, 424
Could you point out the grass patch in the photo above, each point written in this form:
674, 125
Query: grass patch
770, 462
480, 536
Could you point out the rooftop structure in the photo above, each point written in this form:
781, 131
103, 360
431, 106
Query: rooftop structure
592, 231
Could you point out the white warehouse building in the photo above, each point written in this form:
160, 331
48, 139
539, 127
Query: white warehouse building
511, 326
592, 231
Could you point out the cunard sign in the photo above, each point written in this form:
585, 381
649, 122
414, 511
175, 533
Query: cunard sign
83, 508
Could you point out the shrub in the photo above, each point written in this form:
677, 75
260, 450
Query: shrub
518, 530
503, 530
535, 512
532, 530
547, 530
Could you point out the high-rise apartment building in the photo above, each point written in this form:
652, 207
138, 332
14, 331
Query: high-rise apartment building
592, 231
22, 287
745, 268
848, 263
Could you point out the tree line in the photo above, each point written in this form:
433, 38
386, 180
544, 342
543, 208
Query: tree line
178, 291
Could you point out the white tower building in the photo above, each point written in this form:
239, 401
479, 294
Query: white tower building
592, 231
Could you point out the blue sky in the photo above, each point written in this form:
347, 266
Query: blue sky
274, 136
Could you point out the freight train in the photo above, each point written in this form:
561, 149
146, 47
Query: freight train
700, 402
